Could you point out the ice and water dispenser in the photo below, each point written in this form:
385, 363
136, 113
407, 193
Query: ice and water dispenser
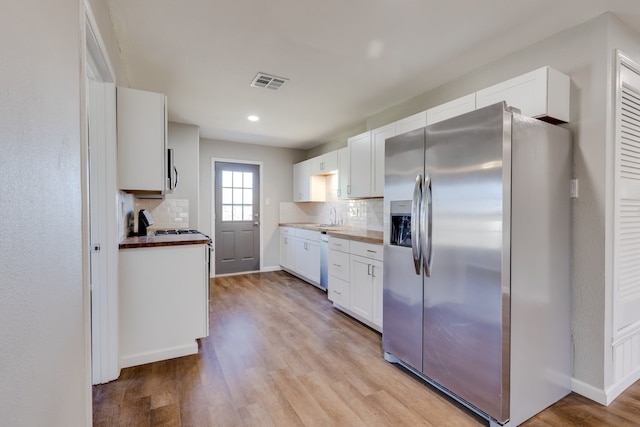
400, 223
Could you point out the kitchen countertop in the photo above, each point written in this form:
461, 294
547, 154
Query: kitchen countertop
165, 240
360, 234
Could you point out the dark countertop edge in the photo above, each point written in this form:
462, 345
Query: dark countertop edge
362, 235
159, 241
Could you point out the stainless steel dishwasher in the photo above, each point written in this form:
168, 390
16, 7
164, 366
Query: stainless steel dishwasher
324, 260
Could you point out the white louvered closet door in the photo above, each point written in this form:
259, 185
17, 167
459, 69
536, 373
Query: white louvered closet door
627, 200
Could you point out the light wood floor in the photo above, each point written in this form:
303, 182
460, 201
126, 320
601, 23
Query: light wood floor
279, 354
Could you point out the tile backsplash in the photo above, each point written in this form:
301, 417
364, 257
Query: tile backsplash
166, 214
357, 213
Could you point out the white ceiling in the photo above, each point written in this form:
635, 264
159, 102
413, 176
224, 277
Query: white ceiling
346, 59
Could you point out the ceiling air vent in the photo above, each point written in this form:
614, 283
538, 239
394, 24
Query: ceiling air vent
268, 81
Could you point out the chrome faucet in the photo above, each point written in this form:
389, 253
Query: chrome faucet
333, 217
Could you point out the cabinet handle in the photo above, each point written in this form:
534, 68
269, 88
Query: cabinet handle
373, 252
373, 271
337, 265
368, 269
349, 189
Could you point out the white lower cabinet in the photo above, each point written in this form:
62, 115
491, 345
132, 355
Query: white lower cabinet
355, 279
300, 253
308, 258
287, 248
163, 302
366, 288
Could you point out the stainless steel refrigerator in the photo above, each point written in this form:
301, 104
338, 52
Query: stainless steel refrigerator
476, 290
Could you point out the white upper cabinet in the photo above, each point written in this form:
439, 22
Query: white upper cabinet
450, 109
360, 165
378, 137
142, 141
542, 93
344, 173
307, 187
413, 122
324, 164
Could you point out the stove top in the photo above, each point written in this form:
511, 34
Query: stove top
176, 231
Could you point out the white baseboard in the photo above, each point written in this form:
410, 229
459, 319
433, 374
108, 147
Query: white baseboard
263, 270
604, 397
618, 388
155, 356
589, 391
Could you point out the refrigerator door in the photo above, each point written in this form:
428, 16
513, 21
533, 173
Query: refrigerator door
402, 281
466, 297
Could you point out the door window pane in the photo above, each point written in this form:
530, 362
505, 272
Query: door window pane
248, 196
248, 180
227, 179
226, 213
227, 198
248, 212
237, 196
237, 212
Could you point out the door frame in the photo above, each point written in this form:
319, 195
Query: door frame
95, 62
212, 217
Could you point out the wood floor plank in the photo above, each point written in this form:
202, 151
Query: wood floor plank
279, 354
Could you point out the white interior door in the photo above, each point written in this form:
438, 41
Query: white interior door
101, 198
627, 228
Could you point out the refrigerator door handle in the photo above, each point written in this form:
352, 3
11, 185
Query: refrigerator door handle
415, 223
425, 225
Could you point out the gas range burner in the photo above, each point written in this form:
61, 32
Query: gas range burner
177, 231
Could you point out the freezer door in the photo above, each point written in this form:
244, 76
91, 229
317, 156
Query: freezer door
402, 273
466, 297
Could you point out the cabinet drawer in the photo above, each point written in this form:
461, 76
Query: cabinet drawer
338, 244
287, 231
307, 234
368, 250
338, 291
339, 264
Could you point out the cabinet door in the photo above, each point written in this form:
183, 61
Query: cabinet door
338, 291
361, 287
378, 137
376, 277
142, 141
301, 181
316, 165
543, 92
308, 259
450, 109
330, 162
339, 265
416, 121
344, 172
360, 165
287, 251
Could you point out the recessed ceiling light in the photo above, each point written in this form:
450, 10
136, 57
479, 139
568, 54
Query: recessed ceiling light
253, 118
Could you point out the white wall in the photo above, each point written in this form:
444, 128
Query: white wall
277, 181
43, 350
185, 141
